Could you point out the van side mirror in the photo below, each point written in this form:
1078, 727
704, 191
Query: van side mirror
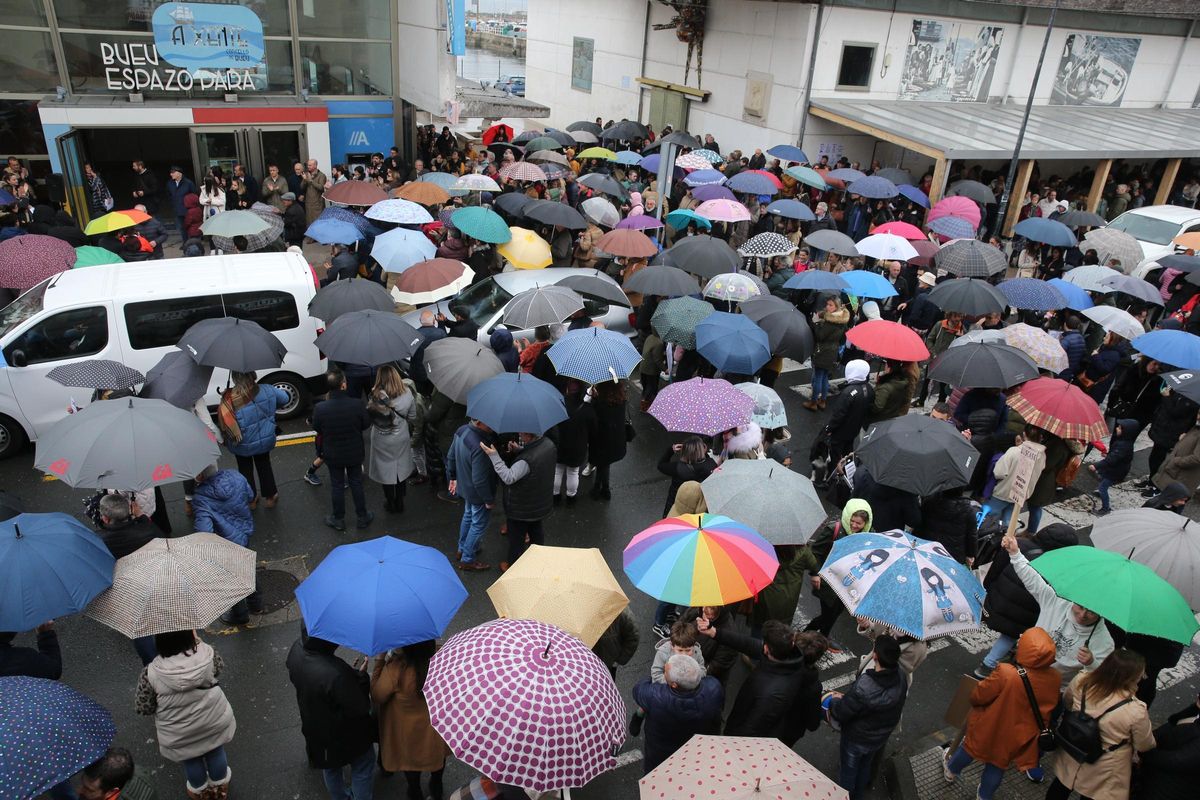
18, 359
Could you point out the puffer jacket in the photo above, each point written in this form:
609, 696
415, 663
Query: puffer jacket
193, 216
1076, 348
950, 521
892, 397
256, 421
779, 599
1115, 466
501, 341
191, 714
870, 709
1009, 608
222, 506
1174, 417
779, 698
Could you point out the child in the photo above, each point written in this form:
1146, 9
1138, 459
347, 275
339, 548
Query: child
685, 641
1114, 467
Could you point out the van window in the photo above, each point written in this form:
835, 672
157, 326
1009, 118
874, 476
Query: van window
275, 311
67, 334
162, 323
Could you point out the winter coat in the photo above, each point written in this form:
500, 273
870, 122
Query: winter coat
688, 500
176, 194
416, 365
1057, 456
183, 692
980, 400
619, 641
680, 472
892, 508
1004, 472
193, 217
501, 341
335, 704
778, 600
1129, 726
294, 224
1183, 464
1102, 368
128, 537
1115, 466
1136, 394
870, 709
822, 541
444, 417
44, 662
571, 436
529, 480
778, 698
221, 505
340, 422
921, 314
389, 452
1001, 727
1076, 348
850, 410
940, 338
530, 355
1172, 419
256, 421
950, 521
467, 464
778, 278
1172, 769
827, 336
407, 740
673, 716
314, 194
453, 248
893, 395
1009, 608
607, 446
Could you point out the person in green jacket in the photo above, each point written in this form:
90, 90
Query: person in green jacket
895, 386
856, 517
779, 599
829, 326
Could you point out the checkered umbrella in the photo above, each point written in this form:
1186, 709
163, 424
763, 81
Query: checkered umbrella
767, 245
522, 171
1059, 407
704, 406
951, 227
541, 305
675, 320
97, 373
594, 355
399, 211
1032, 294
1111, 244
175, 584
26, 261
256, 241
969, 258
526, 704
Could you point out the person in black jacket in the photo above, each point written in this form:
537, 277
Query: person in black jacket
529, 496
921, 314
571, 438
1115, 465
1137, 393
949, 519
607, 447
1172, 769
892, 508
685, 462
850, 410
294, 223
462, 326
335, 714
341, 266
1173, 417
44, 662
868, 713
340, 422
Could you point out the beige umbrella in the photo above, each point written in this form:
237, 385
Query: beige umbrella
175, 584
571, 588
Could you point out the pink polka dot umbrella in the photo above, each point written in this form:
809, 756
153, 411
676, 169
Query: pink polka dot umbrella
526, 704
737, 768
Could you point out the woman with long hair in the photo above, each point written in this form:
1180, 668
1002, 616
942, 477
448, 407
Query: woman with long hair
247, 419
407, 741
392, 410
686, 461
212, 197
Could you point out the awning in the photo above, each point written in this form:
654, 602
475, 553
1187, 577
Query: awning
988, 131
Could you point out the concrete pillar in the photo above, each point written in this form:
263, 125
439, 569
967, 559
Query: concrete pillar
1168, 180
937, 186
1098, 181
1017, 196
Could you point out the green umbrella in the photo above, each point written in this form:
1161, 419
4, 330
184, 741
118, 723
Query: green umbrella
675, 320
482, 224
234, 223
542, 143
89, 256
1123, 591
808, 176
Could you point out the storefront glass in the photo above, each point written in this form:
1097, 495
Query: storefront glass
135, 15
24, 12
27, 61
337, 19
20, 128
341, 68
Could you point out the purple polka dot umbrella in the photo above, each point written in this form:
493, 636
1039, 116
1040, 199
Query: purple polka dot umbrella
526, 704
706, 406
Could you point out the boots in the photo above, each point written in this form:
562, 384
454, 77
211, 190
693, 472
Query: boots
219, 790
811, 405
821, 404
197, 794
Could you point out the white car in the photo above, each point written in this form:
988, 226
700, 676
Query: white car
1154, 227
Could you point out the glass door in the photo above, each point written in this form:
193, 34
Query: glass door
275, 146
73, 157
220, 148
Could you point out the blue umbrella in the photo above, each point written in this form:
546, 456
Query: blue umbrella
1046, 231
50, 566
817, 280
380, 594
704, 177
1032, 294
594, 355
1177, 348
629, 158
914, 194
399, 249
712, 192
711, 156
681, 218
333, 231
788, 152
952, 227
791, 209
353, 217
446, 181
733, 343
1077, 299
867, 284
874, 187
48, 732
515, 402
752, 183
650, 164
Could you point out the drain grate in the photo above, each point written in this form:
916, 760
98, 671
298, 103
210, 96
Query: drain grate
277, 588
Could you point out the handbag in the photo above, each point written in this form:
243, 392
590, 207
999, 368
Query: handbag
1046, 740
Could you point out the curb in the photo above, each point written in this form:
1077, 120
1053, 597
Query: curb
900, 778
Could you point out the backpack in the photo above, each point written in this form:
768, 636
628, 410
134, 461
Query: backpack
1078, 733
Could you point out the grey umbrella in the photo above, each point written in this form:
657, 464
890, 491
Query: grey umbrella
585, 137
369, 338
1082, 219
662, 280
970, 296
96, 373
177, 379
787, 330
591, 284
552, 213
833, 242
1136, 287
900, 177
983, 366
234, 344
598, 182
456, 366
768, 497
971, 258
973, 190
681, 138
624, 130
585, 125
342, 297
512, 203
562, 137
701, 255
541, 305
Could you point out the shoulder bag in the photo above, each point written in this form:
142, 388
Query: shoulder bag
1046, 739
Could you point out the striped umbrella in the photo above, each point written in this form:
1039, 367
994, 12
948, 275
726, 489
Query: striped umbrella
594, 355
1032, 294
541, 305
399, 211
1043, 348
969, 258
1059, 407
675, 320
704, 406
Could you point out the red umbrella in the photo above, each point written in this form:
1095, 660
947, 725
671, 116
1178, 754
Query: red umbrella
769, 176
1059, 407
26, 261
491, 133
926, 250
889, 340
955, 206
627, 243
355, 193
904, 230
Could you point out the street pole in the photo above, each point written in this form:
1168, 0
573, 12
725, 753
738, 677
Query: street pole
1002, 210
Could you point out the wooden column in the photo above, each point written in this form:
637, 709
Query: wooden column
937, 187
1098, 181
1168, 180
1017, 196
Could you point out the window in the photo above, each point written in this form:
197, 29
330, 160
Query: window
135, 15
1145, 228
337, 19
482, 301
360, 68
20, 128
68, 334
855, 70
162, 323
275, 311
25, 12
27, 61
16, 313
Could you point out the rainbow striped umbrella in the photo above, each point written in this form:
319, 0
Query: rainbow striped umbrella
700, 560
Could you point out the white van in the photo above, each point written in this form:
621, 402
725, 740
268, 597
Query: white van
1154, 227
135, 313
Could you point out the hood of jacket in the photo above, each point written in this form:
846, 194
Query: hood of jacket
1035, 648
689, 499
223, 486
191, 201
852, 505
1057, 535
1170, 493
857, 371
839, 317
1130, 428
501, 340
183, 672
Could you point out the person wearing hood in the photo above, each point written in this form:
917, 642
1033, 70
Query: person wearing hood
868, 712
1114, 467
850, 410
1173, 497
529, 496
829, 326
1001, 726
501, 341
895, 386
221, 505
193, 217
193, 719
856, 517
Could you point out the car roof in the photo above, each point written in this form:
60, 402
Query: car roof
1178, 214
521, 279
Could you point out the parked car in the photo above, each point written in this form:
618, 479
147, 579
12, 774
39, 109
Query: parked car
1154, 227
513, 84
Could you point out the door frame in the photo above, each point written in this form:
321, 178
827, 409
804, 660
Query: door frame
248, 142
74, 181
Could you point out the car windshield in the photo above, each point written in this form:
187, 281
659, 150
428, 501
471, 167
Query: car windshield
18, 311
482, 301
1146, 229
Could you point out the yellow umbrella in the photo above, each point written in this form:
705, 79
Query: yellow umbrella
571, 588
598, 152
526, 250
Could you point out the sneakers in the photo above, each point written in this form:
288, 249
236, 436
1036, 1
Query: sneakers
1035, 775
662, 631
312, 478
946, 773
365, 520
449, 498
338, 525
588, 469
982, 671
836, 647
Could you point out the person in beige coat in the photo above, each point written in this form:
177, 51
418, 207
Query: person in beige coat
1110, 691
407, 741
314, 182
1183, 463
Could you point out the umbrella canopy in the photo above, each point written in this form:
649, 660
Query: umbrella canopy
712, 192
26, 261
704, 406
951, 227
596, 285
867, 284
512, 203
847, 174
1043, 348
833, 242
1174, 261
97, 373
769, 412
602, 153
662, 280
1177, 348
586, 125
482, 224
492, 132
791, 209
970, 258
594, 355
723, 211
780, 504
1115, 320
917, 454
926, 250
571, 588
1082, 219
369, 338
887, 247
526, 136
888, 339
1166, 542
177, 379
910, 584
271, 231
1059, 407
342, 297
700, 560
236, 222
711, 156
422, 193
90, 256
1137, 288
904, 230
675, 320
456, 366
515, 402
50, 566
704, 177
1032, 294
1111, 244
963, 207
808, 176
873, 187
732, 343
399, 249
399, 211
339, 213
541, 305
231, 343
1185, 382
50, 732
380, 594
817, 280
767, 245
559, 214
1046, 231
788, 152
787, 330
970, 296
489, 690
749, 182
979, 336
629, 158
1092, 278
641, 222
474, 182
444, 180
522, 171
978, 365
733, 287
1126, 593
432, 280
130, 443
702, 255
627, 243
354, 193
332, 231
1077, 299
974, 190
600, 211
115, 221
562, 137
691, 161
525, 250
906, 190
599, 182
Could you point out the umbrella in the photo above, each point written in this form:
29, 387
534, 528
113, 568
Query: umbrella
1077, 299
513, 203
541, 305
89, 256
732, 287
482, 224
525, 250
1122, 591
491, 133
1189, 240
910, 584
700, 560
780, 504
625, 130
769, 412
926, 250
817, 280
833, 242
767, 245
600, 211
1177, 348
236, 222
847, 174
594, 355
115, 221
380, 594
705, 406
738, 768
342, 297
970, 296
701, 255
26, 261
907, 190
177, 379
867, 284
661, 280
1082, 219
546, 158
788, 152
585, 137
1092, 278
585, 125
791, 209
704, 177
526, 704
131, 443
681, 218
691, 161
887, 247
175, 584
1185, 382
339, 213
979, 336
444, 181
1046, 231
399, 211
963, 207
500, 148
240, 345
787, 330
1110, 244
1164, 541
597, 286
675, 320
712, 192
432, 280
970, 258
400, 248
904, 230
808, 176
369, 338
1043, 348
749, 182
641, 222
271, 231
711, 156
1115, 320
1136, 288
874, 187
917, 454
522, 171
96, 373
732, 343
598, 182
50, 566
354, 193
456, 366
973, 190
629, 158
1032, 294
721, 210
50, 732
571, 588
333, 231
526, 136
559, 214
979, 365
888, 339
952, 228
1174, 261
1059, 407
422, 193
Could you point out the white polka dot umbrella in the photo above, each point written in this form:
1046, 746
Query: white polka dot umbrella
526, 704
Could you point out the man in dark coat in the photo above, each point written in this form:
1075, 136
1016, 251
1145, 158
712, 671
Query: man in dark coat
850, 410
44, 662
868, 713
335, 714
145, 187
340, 422
471, 478
1173, 417
152, 231
341, 266
462, 326
949, 519
294, 223
687, 703
178, 188
921, 314
529, 496
430, 332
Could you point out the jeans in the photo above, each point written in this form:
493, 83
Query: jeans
1005, 508
362, 778
213, 765
517, 530
1102, 490
854, 775
339, 478
266, 476
989, 782
569, 475
662, 611
820, 384
999, 650
475, 520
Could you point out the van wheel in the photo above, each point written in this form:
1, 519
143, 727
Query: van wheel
12, 437
296, 390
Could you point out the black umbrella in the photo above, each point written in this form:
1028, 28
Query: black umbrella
787, 331
234, 344
1081, 219
970, 296
1185, 382
342, 297
499, 147
663, 281
177, 379
917, 454
512, 203
625, 130
591, 284
983, 365
584, 125
96, 373
552, 213
562, 137
681, 138
971, 258
972, 190
369, 338
701, 255
526, 136
599, 182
